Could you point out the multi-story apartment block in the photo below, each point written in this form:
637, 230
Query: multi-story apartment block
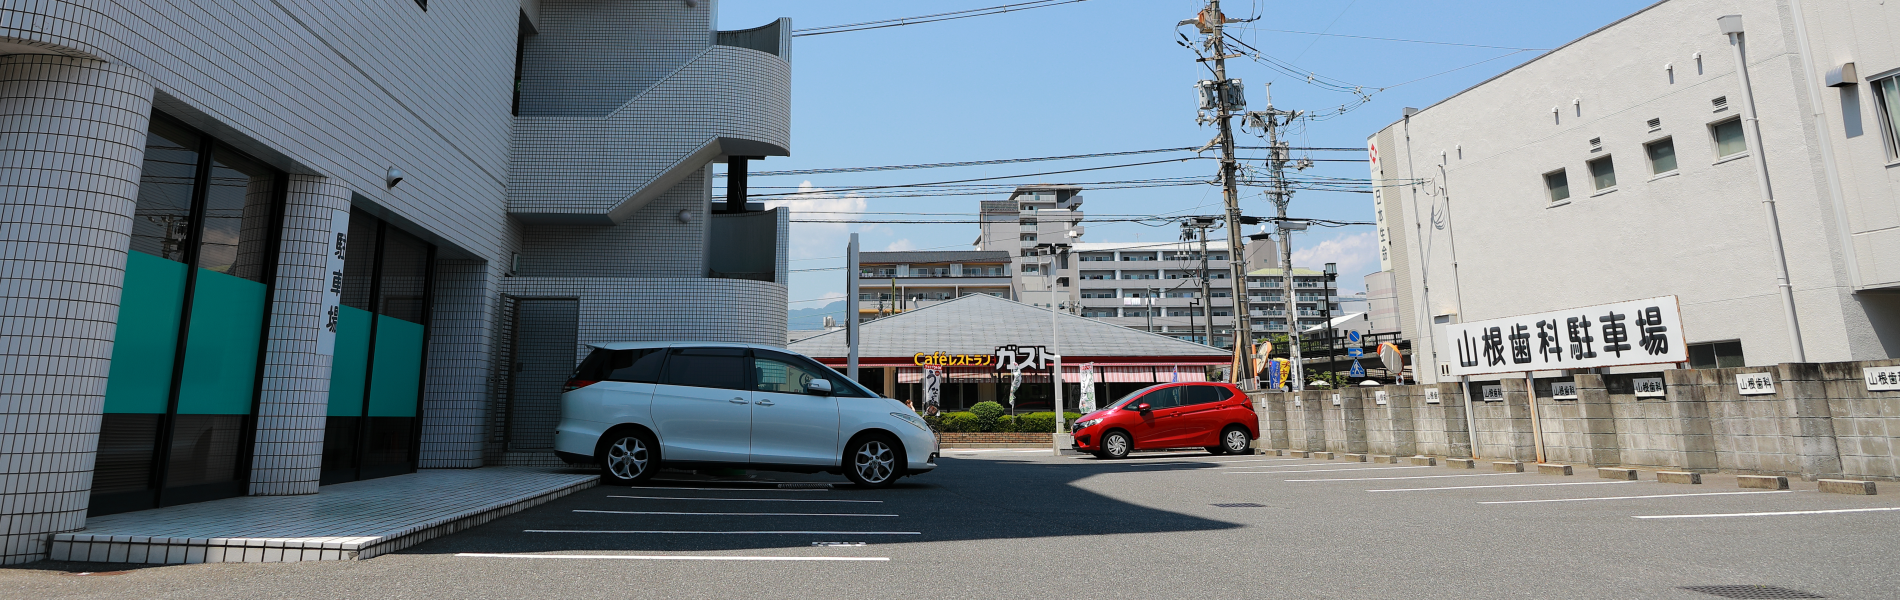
1620, 167
894, 282
259, 246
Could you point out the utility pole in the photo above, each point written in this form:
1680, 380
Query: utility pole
1271, 120
1207, 292
1150, 300
1227, 98
851, 308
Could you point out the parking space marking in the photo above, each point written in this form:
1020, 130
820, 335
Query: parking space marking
1304, 464
731, 489
746, 499
643, 557
1410, 477
1773, 514
1474, 487
1636, 497
1207, 462
728, 514
660, 532
1315, 471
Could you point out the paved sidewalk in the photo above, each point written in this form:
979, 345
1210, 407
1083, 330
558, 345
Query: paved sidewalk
348, 521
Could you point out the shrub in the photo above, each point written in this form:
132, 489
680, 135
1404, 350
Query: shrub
958, 422
987, 414
1004, 424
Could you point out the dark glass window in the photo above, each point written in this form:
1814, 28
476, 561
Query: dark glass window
405, 273
1716, 355
636, 366
239, 197
722, 368
359, 261
1162, 398
1204, 394
161, 224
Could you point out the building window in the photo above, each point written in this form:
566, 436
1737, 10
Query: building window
1729, 140
1603, 173
1558, 183
1887, 103
1662, 156
1031, 268
1716, 355
1029, 237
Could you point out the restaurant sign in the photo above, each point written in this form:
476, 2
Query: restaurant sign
941, 359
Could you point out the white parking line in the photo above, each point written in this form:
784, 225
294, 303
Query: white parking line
731, 489
1636, 497
1208, 462
1411, 477
1304, 464
746, 499
1772, 514
1473, 487
723, 532
633, 557
1314, 471
729, 514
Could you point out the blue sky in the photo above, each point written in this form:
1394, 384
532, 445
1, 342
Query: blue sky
1107, 76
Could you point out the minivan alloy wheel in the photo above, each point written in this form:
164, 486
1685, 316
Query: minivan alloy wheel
628, 457
874, 462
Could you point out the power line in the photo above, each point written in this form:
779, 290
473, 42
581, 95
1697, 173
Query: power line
910, 185
1385, 39
1001, 161
939, 17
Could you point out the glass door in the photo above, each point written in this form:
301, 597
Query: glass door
372, 429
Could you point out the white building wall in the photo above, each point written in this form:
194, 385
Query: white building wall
1698, 232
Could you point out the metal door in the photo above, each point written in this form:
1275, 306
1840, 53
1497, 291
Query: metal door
546, 342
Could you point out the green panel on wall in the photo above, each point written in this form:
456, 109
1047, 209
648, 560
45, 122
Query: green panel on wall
351, 363
398, 372
146, 343
227, 324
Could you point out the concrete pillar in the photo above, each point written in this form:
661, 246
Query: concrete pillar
1352, 416
1596, 422
70, 158
1803, 388
288, 455
1274, 428
1401, 403
456, 389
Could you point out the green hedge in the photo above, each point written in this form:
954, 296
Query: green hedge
975, 422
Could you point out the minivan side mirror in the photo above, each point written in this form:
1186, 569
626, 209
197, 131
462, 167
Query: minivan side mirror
821, 387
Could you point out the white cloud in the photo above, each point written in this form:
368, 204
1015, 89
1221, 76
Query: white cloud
815, 240
1356, 253
900, 246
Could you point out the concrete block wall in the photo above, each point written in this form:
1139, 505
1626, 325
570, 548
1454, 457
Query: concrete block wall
1820, 422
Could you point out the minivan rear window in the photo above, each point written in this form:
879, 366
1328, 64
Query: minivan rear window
722, 368
634, 366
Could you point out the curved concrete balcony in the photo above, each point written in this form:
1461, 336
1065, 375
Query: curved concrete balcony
730, 100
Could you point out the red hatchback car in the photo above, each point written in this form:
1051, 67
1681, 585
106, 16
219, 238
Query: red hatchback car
1215, 416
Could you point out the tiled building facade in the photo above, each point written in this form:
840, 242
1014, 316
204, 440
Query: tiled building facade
258, 246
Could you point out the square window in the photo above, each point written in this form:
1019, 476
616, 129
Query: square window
1887, 104
1603, 173
1729, 140
1662, 156
1558, 183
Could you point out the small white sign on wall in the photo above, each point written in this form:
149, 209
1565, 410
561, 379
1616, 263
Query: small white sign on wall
1431, 395
1648, 387
1881, 379
1563, 390
1335, 399
337, 246
1755, 384
1493, 393
1379, 398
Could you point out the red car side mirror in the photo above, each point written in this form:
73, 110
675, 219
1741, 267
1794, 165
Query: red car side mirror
1143, 407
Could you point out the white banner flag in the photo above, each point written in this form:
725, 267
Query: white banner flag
1088, 388
1634, 332
933, 390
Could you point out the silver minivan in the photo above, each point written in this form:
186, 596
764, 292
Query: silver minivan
631, 408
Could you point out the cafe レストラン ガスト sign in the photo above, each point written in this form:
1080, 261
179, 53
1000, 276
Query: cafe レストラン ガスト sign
1634, 332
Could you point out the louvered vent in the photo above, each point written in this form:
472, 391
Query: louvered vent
1721, 104
1596, 144
1655, 124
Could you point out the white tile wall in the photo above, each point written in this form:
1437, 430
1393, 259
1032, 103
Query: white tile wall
69, 167
288, 454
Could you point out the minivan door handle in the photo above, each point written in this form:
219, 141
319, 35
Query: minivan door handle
737, 400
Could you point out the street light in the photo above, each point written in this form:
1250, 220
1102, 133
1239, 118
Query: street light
1055, 342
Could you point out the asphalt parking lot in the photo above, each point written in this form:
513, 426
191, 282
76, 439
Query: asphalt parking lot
1023, 524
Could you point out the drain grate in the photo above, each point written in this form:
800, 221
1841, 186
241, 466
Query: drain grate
1751, 591
1240, 505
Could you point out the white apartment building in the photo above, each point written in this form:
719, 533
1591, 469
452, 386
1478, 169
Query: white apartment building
255, 247
1616, 168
